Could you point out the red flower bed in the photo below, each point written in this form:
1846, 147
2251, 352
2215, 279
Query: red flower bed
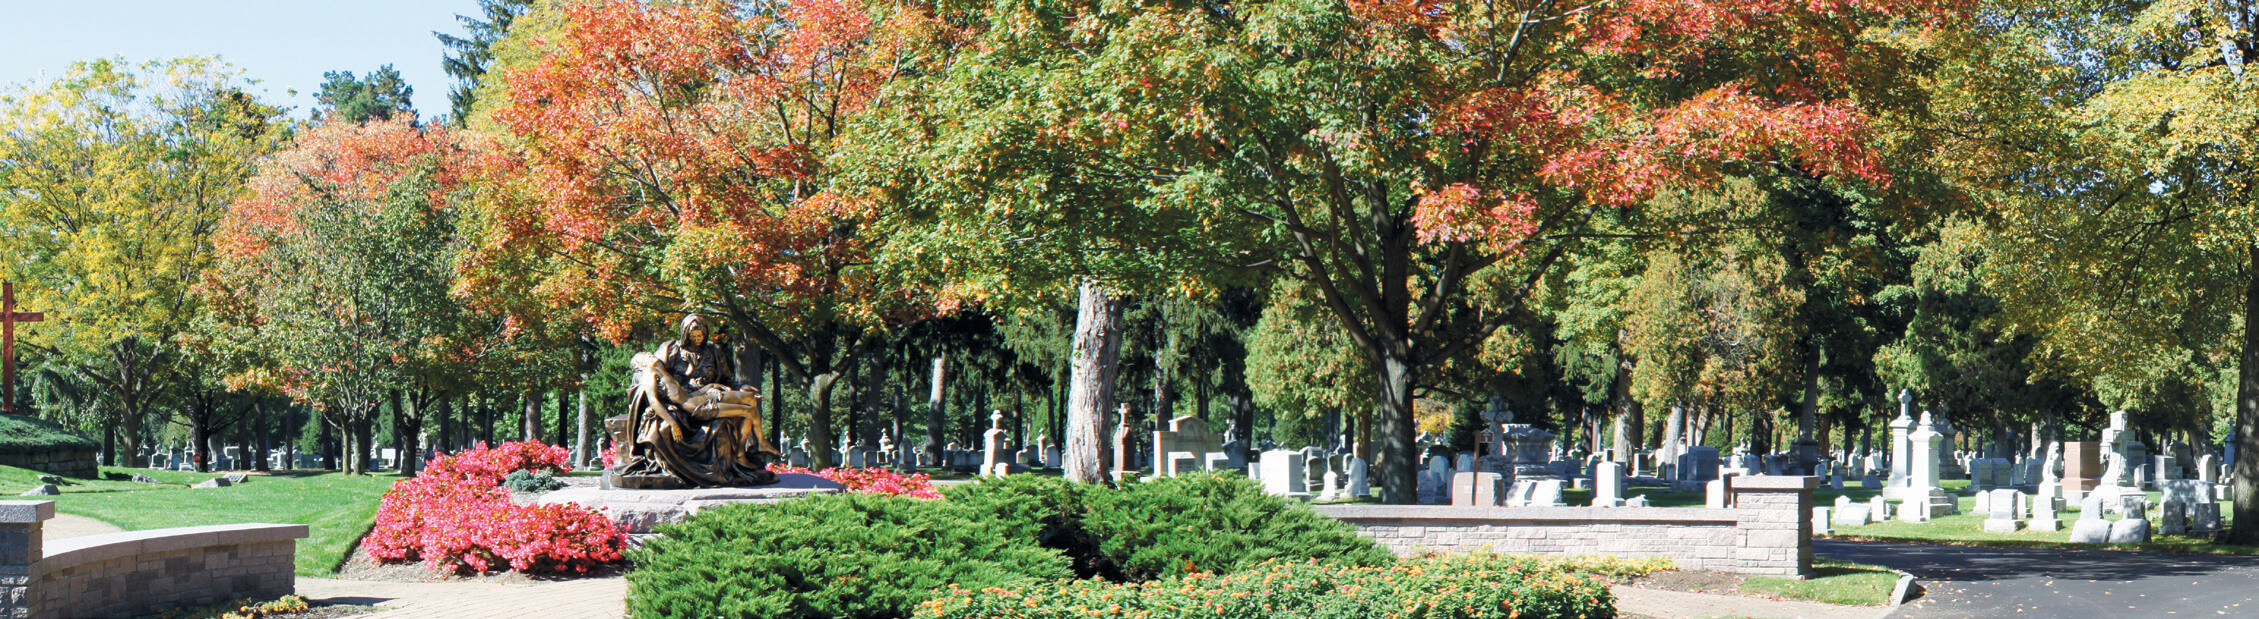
456, 516
873, 481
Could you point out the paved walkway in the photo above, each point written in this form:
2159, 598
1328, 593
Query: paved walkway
2104, 584
67, 526
1682, 605
591, 598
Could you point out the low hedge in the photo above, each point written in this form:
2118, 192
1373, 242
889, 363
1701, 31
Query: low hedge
1170, 526
20, 434
838, 555
858, 554
1454, 587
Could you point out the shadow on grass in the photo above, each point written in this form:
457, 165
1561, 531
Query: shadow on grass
1988, 560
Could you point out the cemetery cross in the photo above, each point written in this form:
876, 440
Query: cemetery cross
8, 319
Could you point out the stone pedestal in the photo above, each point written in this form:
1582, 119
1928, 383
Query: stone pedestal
640, 511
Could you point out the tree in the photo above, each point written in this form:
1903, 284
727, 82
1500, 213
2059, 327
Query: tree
383, 96
1416, 164
2111, 143
338, 268
674, 159
469, 56
113, 179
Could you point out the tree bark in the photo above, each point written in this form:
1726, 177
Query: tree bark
581, 448
529, 418
935, 402
776, 407
2246, 465
1090, 393
1395, 428
819, 421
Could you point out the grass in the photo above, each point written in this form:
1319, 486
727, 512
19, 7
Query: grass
1832, 582
20, 434
337, 508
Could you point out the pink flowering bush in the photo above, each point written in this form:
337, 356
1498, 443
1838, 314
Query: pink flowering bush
455, 516
872, 481
499, 461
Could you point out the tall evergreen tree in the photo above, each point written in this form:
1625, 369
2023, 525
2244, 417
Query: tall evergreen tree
469, 56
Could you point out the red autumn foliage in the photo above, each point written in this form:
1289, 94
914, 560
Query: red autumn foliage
691, 133
872, 480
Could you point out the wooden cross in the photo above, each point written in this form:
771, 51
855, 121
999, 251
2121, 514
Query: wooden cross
8, 319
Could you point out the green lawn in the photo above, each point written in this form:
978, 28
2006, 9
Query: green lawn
1832, 582
337, 508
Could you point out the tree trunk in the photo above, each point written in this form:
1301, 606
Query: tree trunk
819, 420
2246, 465
564, 415
582, 450
776, 407
109, 444
1394, 429
935, 402
529, 418
1090, 393
874, 404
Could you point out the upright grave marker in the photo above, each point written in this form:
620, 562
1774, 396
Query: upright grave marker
8, 319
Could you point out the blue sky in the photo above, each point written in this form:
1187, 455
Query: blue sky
284, 45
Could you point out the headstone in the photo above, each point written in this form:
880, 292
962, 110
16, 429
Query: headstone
1536, 493
1901, 448
2208, 468
2043, 514
2090, 528
2082, 465
1699, 463
1878, 509
42, 490
2130, 531
1637, 501
1608, 485
1820, 521
1850, 513
992, 446
2204, 519
798, 458
1282, 473
2003, 514
1358, 485
1332, 487
2173, 517
216, 482
1478, 489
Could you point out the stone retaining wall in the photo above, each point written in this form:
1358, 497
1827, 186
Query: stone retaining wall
1765, 529
79, 464
138, 572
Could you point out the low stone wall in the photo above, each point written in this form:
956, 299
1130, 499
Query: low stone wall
1763, 530
79, 464
138, 572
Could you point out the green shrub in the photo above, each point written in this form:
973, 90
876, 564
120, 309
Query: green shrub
1194, 523
838, 555
25, 435
1214, 523
1464, 586
529, 481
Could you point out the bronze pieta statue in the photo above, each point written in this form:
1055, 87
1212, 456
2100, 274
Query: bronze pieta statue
689, 424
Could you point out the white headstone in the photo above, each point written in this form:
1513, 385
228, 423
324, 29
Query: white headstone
1282, 473
1608, 485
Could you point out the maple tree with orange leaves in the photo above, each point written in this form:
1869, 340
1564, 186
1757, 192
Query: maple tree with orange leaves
670, 157
1421, 166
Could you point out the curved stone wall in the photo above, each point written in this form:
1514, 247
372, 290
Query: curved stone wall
137, 573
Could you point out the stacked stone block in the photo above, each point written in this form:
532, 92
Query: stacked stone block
138, 572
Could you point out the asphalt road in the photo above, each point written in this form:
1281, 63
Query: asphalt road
2021, 582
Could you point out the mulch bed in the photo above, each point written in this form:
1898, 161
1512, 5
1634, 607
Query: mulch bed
1690, 581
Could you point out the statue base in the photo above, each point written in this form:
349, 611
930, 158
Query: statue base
642, 510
